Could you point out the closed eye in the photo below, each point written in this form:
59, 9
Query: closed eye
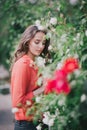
36, 42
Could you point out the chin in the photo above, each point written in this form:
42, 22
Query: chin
37, 54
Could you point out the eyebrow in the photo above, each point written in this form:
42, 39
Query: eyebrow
37, 40
40, 40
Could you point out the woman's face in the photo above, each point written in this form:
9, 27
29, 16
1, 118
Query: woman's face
37, 44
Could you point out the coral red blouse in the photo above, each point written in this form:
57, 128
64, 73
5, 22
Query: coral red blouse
23, 83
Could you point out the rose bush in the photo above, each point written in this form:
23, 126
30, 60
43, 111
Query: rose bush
60, 107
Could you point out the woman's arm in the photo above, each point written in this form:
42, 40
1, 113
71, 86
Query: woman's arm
39, 91
19, 83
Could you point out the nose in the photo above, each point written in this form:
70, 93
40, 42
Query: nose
41, 46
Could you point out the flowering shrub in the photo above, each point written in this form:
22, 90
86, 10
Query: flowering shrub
52, 107
59, 106
59, 83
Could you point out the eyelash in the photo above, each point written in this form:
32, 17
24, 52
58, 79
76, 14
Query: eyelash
38, 43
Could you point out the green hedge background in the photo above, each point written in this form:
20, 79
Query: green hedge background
16, 15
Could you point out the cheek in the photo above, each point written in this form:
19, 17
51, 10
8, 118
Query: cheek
32, 46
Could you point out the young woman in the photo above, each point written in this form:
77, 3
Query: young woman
24, 73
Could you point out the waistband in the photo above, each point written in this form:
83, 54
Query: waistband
23, 121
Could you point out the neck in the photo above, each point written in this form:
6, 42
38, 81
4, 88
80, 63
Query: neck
31, 56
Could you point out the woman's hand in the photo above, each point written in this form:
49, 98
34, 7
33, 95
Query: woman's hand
39, 91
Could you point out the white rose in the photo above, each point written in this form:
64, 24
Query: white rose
53, 21
61, 102
78, 35
64, 38
86, 33
76, 55
83, 98
45, 120
77, 73
32, 1
74, 39
46, 113
40, 62
73, 2
67, 51
50, 60
40, 27
48, 119
38, 99
15, 109
48, 35
57, 112
51, 122
28, 102
38, 127
37, 22
59, 65
39, 82
50, 47
58, 8
73, 83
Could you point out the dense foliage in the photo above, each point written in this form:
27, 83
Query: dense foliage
16, 15
68, 39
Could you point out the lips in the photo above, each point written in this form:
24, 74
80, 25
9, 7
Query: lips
39, 51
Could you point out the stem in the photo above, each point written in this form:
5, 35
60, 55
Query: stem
49, 127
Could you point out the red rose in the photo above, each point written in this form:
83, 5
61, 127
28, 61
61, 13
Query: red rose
60, 74
51, 84
70, 65
58, 86
62, 87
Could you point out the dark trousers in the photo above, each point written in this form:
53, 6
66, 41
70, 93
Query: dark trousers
26, 125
